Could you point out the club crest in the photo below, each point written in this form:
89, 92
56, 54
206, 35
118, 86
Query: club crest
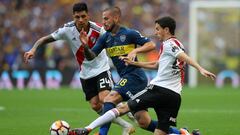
123, 38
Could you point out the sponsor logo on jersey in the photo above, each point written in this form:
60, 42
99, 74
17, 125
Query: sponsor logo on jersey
175, 48
120, 50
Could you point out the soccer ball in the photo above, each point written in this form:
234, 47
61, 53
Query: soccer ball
59, 127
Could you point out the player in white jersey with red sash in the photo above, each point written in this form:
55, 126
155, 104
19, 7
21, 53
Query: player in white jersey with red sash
94, 75
163, 94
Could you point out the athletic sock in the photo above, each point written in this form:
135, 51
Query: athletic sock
173, 130
151, 127
107, 117
123, 123
105, 128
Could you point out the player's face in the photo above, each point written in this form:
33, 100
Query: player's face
159, 32
108, 20
81, 19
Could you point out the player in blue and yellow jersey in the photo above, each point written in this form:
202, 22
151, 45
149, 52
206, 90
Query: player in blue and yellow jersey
121, 41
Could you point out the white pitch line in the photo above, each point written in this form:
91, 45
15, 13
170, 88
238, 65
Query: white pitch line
2, 108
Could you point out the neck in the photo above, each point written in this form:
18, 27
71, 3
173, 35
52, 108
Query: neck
168, 37
115, 29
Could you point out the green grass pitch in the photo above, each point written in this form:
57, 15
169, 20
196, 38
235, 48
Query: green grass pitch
31, 112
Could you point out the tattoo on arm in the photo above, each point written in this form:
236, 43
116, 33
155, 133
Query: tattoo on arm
88, 53
43, 40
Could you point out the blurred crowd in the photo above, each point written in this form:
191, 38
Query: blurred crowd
24, 21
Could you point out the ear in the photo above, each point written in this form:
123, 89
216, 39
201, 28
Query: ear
166, 29
116, 18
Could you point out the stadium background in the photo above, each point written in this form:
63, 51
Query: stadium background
24, 21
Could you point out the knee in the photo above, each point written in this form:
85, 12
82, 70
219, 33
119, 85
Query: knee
143, 124
113, 97
143, 119
96, 106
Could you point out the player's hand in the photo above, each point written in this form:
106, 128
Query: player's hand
132, 55
83, 37
127, 60
28, 55
207, 74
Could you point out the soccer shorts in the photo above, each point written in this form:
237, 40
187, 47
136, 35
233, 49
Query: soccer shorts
93, 86
130, 84
165, 102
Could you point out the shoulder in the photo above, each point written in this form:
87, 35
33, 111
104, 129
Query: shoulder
95, 26
176, 42
69, 24
133, 32
173, 45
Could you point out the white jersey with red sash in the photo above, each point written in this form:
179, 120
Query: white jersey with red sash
170, 73
88, 69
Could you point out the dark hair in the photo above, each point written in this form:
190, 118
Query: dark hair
81, 6
167, 22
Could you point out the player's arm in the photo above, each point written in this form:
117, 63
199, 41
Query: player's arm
147, 65
145, 48
146, 44
184, 57
90, 54
42, 41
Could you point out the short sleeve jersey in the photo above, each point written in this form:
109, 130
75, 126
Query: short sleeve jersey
170, 73
69, 33
120, 44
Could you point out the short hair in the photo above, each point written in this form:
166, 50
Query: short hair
81, 6
167, 22
115, 10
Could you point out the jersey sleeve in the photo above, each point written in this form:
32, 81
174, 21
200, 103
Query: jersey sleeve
102, 31
138, 38
59, 34
173, 49
100, 44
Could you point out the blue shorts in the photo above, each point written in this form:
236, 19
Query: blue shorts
131, 83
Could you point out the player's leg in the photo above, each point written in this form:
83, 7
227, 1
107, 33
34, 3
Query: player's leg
166, 109
105, 118
145, 121
159, 132
105, 83
90, 88
138, 105
110, 102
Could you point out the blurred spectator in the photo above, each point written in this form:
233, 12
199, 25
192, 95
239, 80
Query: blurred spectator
24, 21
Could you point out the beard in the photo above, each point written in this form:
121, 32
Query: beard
111, 28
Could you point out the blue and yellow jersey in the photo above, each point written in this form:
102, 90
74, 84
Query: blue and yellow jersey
120, 44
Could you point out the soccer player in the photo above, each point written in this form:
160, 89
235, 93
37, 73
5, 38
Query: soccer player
94, 75
121, 41
163, 94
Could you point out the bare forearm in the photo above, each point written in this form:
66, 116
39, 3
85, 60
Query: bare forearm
88, 53
146, 47
43, 41
189, 61
147, 65
193, 63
